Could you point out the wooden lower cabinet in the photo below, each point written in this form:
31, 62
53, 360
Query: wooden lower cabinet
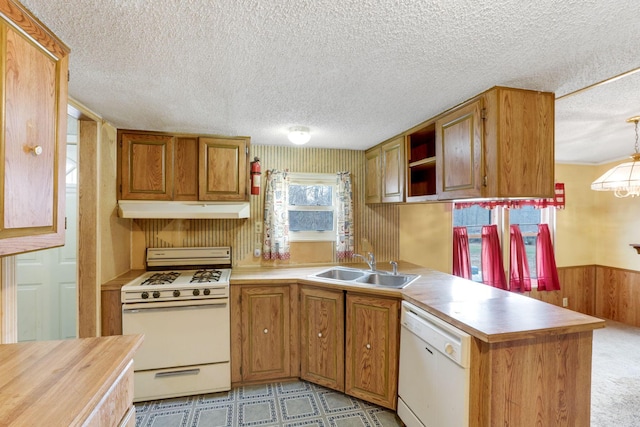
322, 337
372, 345
287, 331
265, 319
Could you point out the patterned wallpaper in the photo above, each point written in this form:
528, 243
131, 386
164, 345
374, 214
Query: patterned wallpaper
377, 223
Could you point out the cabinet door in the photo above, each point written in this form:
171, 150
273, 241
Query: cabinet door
372, 349
147, 166
322, 337
34, 96
459, 153
265, 332
223, 169
185, 160
393, 170
372, 168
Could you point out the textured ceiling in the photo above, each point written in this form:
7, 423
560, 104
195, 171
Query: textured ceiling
356, 72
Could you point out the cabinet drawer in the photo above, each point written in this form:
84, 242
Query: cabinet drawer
182, 381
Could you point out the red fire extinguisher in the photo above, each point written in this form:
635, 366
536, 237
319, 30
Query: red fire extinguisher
255, 176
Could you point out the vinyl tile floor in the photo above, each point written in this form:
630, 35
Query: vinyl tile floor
289, 404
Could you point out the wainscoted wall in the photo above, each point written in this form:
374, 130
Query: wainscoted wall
377, 223
578, 285
618, 295
601, 291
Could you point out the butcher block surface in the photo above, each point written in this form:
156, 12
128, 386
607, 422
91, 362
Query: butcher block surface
67, 383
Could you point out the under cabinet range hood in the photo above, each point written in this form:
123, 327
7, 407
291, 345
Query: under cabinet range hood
185, 210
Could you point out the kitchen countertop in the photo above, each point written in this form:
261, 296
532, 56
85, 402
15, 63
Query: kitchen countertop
60, 382
489, 314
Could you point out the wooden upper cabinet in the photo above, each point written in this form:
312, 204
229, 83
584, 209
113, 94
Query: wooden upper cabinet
33, 139
223, 169
372, 184
421, 163
499, 144
393, 170
384, 172
322, 337
160, 166
185, 183
459, 152
372, 346
266, 349
147, 166
519, 139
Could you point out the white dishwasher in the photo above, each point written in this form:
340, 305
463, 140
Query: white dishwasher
433, 384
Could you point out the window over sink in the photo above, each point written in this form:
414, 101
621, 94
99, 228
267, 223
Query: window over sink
311, 207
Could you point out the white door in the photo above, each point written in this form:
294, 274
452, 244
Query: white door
46, 279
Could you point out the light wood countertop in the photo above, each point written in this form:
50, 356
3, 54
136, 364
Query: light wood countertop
489, 314
60, 383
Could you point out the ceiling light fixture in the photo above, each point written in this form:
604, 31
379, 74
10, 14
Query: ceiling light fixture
299, 135
623, 179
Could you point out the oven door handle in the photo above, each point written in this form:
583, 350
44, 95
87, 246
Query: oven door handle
136, 308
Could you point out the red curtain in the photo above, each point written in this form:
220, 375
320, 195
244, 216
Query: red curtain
461, 257
520, 279
492, 268
545, 261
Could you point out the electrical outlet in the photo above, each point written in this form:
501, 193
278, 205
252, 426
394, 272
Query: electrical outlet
565, 302
256, 252
258, 227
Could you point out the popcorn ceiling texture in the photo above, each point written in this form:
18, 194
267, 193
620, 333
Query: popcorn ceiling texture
355, 71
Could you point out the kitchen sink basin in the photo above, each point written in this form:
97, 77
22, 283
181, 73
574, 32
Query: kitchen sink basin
356, 276
341, 274
389, 280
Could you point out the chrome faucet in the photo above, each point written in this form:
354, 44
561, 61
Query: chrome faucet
394, 267
370, 259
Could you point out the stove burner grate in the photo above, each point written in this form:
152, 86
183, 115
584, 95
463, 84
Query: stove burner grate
164, 278
206, 276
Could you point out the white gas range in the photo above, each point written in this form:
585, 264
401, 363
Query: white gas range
182, 307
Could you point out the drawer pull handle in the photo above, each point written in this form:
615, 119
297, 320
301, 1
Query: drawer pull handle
178, 373
319, 334
368, 346
266, 331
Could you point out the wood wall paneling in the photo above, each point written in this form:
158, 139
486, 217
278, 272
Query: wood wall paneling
543, 366
577, 284
88, 229
618, 295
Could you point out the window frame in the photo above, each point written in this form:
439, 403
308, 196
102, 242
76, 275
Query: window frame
324, 179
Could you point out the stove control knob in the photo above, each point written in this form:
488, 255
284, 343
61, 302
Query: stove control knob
156, 294
176, 293
207, 291
196, 292
145, 295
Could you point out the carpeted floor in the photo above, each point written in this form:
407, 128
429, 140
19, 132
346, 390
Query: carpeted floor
615, 379
615, 397
279, 404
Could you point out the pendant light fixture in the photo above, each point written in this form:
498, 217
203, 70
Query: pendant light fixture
623, 179
299, 135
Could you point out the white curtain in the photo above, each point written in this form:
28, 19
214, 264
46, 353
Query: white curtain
344, 212
276, 217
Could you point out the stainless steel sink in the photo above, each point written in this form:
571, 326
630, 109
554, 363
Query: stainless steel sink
340, 274
366, 277
388, 280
